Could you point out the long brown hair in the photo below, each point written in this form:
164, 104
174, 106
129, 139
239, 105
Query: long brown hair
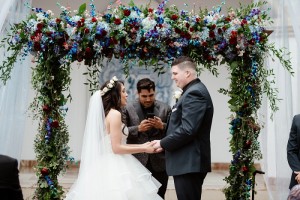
112, 98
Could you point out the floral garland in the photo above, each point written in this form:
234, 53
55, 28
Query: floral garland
109, 86
145, 36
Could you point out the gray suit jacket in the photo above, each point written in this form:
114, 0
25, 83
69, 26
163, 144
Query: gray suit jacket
187, 144
293, 148
133, 115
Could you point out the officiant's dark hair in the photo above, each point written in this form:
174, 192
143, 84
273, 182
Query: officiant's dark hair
112, 98
184, 61
145, 84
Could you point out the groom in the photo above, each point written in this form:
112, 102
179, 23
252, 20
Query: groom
187, 141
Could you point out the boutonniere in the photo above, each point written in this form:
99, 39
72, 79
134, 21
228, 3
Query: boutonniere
177, 94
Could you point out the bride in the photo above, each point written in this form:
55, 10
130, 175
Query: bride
108, 171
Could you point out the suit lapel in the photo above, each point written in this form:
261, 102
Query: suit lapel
156, 109
139, 111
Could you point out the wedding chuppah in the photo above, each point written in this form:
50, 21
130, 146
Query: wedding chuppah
147, 36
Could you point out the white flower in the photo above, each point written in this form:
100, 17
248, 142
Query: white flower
105, 89
148, 24
49, 12
177, 94
110, 85
114, 78
40, 17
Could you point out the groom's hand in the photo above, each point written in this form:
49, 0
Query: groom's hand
157, 146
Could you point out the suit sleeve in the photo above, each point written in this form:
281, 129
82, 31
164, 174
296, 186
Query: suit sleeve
194, 106
293, 147
168, 116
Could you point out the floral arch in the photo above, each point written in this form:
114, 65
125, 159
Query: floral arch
147, 36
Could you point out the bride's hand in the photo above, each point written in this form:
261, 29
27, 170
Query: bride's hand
149, 147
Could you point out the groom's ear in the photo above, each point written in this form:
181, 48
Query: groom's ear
188, 73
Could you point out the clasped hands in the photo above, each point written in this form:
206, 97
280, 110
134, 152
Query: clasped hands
297, 178
153, 147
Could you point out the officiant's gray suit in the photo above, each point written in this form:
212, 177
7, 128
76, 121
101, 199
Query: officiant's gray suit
293, 149
133, 117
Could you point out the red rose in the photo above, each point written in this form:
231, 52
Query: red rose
245, 169
219, 30
104, 32
213, 27
174, 17
192, 29
177, 30
212, 34
227, 19
122, 54
55, 124
234, 33
150, 10
79, 24
37, 32
40, 26
117, 21
233, 40
46, 108
187, 36
44, 171
198, 19
113, 40
32, 37
126, 12
58, 20
49, 33
248, 143
86, 30
94, 19
208, 57
37, 46
252, 41
82, 20
79, 57
244, 21
204, 44
187, 25
88, 52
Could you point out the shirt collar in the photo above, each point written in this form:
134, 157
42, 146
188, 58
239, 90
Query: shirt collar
196, 80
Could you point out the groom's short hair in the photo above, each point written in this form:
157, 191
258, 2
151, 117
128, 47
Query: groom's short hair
145, 84
184, 62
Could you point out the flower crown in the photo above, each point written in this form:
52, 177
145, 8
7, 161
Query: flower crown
109, 86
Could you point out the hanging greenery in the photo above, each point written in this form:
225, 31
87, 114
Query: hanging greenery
145, 36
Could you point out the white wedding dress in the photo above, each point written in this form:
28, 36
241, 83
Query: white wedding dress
104, 175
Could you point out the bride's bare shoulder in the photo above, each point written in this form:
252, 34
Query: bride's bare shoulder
114, 113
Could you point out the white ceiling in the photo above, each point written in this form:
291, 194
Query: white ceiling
101, 5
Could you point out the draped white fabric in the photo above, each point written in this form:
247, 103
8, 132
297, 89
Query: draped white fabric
13, 95
275, 134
